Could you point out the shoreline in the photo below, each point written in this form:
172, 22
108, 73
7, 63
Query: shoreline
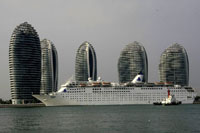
22, 105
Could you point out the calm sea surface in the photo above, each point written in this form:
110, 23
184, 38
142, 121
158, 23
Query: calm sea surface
102, 119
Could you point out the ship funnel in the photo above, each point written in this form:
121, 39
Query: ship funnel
138, 78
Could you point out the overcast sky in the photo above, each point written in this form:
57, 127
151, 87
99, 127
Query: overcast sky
108, 25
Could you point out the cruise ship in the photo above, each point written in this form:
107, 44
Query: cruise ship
107, 93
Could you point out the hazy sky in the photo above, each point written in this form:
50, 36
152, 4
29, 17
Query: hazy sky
108, 25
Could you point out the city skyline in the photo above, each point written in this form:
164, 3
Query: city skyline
133, 60
49, 67
24, 64
108, 25
85, 63
174, 65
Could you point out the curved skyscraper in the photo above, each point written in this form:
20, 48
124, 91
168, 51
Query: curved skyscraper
49, 69
174, 65
86, 63
132, 60
24, 64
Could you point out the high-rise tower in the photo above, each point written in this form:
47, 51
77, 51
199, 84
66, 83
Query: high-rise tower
86, 63
174, 65
24, 64
49, 69
132, 60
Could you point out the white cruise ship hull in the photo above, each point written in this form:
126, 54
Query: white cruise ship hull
49, 101
113, 96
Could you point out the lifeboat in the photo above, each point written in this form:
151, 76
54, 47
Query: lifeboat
159, 83
168, 83
96, 84
106, 83
82, 85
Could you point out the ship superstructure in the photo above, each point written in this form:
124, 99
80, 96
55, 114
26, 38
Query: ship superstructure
107, 93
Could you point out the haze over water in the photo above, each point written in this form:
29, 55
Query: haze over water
112, 119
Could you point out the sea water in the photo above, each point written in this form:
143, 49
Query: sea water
102, 119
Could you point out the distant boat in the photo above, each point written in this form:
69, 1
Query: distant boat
170, 100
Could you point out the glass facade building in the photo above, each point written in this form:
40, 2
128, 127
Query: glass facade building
174, 65
86, 63
49, 69
24, 64
132, 60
